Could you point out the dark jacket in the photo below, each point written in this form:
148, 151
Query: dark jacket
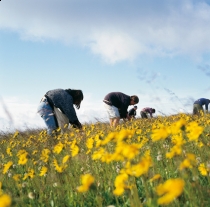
63, 100
119, 100
132, 112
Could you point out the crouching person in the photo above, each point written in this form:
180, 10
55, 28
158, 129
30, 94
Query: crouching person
57, 108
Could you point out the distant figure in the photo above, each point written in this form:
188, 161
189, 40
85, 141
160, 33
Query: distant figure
132, 112
146, 111
56, 108
198, 106
116, 104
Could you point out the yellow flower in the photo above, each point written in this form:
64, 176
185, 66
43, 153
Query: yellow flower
120, 184
45, 155
203, 169
30, 174
9, 151
175, 150
43, 171
161, 133
176, 127
58, 148
65, 159
187, 163
141, 168
7, 166
5, 200
89, 143
170, 190
97, 155
130, 151
194, 131
86, 180
155, 177
16, 177
74, 150
58, 168
22, 159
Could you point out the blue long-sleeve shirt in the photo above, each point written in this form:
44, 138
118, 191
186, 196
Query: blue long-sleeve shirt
203, 101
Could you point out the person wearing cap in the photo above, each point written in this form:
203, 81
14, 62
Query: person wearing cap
63, 101
146, 111
198, 106
116, 105
132, 112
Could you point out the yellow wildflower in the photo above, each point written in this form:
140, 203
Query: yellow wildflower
58, 148
86, 180
170, 190
7, 166
45, 155
65, 159
30, 174
5, 200
97, 155
120, 184
194, 131
175, 150
22, 159
58, 168
74, 150
43, 171
155, 177
203, 169
9, 151
161, 133
16, 177
187, 163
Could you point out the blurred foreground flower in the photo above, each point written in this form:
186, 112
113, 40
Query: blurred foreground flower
5, 200
87, 180
170, 190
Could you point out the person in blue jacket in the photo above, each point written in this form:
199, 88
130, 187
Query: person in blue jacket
116, 104
198, 106
64, 100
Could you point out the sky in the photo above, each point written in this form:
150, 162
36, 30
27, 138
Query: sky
158, 50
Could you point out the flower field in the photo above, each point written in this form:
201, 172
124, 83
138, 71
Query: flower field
154, 162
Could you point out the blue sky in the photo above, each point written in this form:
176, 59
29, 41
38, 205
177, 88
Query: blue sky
156, 49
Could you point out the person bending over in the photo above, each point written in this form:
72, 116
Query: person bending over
64, 100
198, 106
146, 111
118, 101
132, 112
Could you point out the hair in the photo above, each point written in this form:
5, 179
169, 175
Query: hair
153, 110
77, 96
135, 107
135, 98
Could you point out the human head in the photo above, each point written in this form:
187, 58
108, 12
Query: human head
134, 100
135, 107
153, 110
77, 96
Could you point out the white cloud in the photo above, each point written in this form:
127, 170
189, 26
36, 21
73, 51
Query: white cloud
115, 30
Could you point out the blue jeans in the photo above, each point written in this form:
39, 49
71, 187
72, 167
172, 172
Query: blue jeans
46, 112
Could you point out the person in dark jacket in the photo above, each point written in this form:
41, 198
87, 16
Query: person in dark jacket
198, 106
132, 112
146, 111
116, 104
64, 100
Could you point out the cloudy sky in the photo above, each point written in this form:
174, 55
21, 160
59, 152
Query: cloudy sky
156, 49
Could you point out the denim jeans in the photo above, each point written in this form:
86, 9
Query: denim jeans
46, 112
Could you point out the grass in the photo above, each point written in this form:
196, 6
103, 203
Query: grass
41, 170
